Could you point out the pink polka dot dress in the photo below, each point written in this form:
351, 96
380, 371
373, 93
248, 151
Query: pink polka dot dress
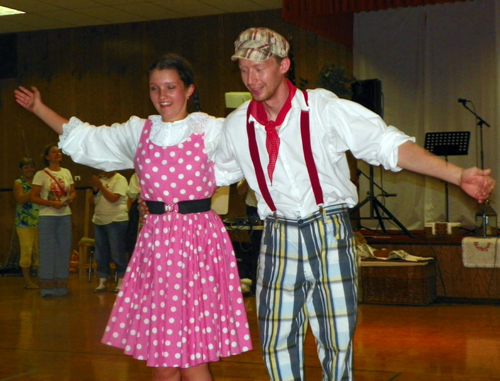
180, 304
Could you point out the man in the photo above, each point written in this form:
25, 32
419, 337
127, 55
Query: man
290, 146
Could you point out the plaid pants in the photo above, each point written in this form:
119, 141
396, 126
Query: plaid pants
307, 274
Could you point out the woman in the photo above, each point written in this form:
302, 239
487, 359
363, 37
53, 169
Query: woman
180, 306
109, 195
26, 221
53, 189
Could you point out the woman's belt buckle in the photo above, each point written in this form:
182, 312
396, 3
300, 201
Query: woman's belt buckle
170, 208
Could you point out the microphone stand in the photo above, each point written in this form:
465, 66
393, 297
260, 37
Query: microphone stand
480, 122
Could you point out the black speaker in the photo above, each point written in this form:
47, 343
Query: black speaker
368, 93
8, 56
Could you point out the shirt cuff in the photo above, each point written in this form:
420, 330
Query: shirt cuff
67, 128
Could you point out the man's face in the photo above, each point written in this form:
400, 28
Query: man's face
263, 78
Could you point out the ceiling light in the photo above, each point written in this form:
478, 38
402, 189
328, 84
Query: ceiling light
4, 11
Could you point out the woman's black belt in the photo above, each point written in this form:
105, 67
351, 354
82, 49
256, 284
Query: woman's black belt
183, 207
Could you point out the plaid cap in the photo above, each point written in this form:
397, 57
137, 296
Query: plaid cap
259, 44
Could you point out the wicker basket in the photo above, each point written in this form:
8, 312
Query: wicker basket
398, 283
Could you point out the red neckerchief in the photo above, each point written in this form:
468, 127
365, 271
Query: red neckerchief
272, 139
308, 156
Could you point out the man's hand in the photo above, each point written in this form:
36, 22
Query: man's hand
477, 183
143, 209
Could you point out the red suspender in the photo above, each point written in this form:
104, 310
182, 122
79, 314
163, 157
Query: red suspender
254, 154
308, 155
305, 131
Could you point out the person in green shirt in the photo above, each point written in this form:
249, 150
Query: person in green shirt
26, 221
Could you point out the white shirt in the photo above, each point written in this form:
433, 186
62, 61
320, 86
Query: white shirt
106, 212
113, 148
336, 125
134, 188
250, 199
51, 191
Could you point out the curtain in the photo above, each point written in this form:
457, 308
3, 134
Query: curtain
427, 58
333, 19
337, 27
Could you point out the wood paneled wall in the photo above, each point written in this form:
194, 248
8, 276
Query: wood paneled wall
99, 74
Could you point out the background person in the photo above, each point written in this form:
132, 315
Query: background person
109, 194
133, 193
53, 189
26, 222
255, 235
180, 306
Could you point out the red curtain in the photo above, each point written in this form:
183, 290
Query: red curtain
334, 19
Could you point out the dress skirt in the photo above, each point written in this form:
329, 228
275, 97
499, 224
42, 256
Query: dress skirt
180, 304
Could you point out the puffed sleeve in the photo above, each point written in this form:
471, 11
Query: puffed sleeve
227, 169
212, 135
109, 148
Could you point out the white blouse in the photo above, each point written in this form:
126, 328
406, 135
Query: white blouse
112, 148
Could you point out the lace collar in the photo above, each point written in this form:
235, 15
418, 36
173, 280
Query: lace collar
168, 134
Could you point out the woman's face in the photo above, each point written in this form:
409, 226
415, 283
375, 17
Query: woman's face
28, 171
54, 155
169, 94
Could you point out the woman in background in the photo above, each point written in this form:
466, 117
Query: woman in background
109, 194
26, 221
133, 193
53, 189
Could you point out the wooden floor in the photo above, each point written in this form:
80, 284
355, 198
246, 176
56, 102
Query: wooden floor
59, 339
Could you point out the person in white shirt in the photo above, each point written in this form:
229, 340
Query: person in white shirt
291, 145
54, 190
133, 193
109, 194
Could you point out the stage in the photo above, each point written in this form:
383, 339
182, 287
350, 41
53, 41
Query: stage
453, 279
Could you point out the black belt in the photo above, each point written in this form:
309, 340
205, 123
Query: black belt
183, 207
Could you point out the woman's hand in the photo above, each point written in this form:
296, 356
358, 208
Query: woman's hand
95, 182
57, 204
66, 201
28, 99
31, 100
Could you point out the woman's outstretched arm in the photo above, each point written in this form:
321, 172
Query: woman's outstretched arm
32, 101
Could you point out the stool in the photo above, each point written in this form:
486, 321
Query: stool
85, 261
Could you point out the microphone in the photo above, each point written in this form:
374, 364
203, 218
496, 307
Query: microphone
463, 101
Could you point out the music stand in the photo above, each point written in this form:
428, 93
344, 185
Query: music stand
455, 143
